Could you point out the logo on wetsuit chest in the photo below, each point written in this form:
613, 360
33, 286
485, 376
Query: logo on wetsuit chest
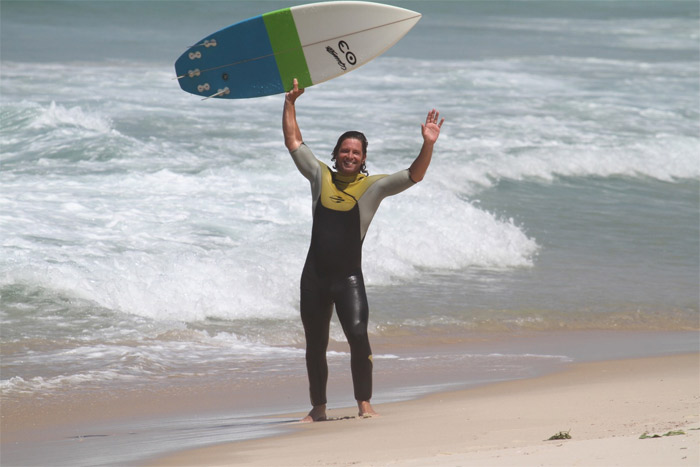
337, 199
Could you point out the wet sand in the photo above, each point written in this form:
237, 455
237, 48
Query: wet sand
604, 406
237, 423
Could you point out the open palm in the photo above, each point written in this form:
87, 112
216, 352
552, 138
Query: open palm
431, 128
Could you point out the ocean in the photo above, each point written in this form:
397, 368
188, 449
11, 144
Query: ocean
148, 236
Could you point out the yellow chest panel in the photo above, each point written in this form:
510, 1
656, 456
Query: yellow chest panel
341, 193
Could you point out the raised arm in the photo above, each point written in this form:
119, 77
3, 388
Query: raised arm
290, 127
430, 131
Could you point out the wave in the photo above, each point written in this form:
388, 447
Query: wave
666, 158
178, 268
58, 116
41, 137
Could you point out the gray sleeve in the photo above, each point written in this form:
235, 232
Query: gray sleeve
310, 168
393, 184
388, 185
306, 162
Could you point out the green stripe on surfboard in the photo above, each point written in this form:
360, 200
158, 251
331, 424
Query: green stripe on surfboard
287, 48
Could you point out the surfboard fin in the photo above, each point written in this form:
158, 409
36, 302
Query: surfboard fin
221, 92
207, 44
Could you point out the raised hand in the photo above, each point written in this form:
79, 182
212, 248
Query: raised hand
294, 93
431, 128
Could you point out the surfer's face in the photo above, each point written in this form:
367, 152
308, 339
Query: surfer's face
350, 157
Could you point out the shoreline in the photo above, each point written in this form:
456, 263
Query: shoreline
606, 406
117, 427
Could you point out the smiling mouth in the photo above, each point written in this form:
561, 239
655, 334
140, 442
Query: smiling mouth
348, 164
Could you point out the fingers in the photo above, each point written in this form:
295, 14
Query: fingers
431, 129
295, 92
296, 87
433, 117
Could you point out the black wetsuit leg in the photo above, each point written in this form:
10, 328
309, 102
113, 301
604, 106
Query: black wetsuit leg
316, 307
353, 312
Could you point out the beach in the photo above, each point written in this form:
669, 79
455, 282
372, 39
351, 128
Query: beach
605, 407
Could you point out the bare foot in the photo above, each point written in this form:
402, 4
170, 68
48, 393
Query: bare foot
366, 410
317, 414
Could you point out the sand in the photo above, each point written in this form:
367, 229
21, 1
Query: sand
605, 406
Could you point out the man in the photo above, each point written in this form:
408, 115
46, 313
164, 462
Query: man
344, 203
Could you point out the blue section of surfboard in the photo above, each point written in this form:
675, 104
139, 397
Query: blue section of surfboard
262, 55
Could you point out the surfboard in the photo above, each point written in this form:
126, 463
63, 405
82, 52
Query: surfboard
261, 56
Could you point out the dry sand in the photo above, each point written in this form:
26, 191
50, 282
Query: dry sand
606, 407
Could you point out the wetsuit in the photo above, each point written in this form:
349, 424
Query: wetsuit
343, 208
